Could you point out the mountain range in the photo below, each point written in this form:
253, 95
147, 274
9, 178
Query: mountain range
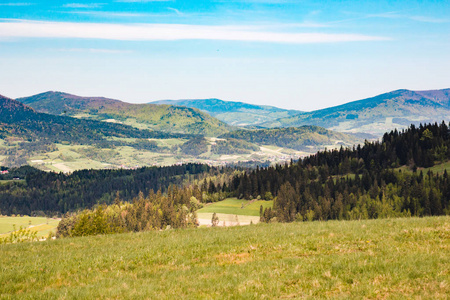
234, 113
77, 132
376, 115
99, 130
213, 117
168, 118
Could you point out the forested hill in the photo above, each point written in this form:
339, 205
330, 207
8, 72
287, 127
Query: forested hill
166, 118
23, 122
298, 138
234, 113
376, 115
377, 179
361, 182
48, 192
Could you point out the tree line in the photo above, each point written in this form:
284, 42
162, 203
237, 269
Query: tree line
48, 193
174, 209
363, 182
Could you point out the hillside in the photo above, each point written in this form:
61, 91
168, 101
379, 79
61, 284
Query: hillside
376, 115
234, 113
390, 258
64, 144
304, 138
21, 121
166, 118
25, 133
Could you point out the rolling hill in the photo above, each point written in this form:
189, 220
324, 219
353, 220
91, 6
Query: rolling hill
234, 113
21, 121
166, 118
376, 115
304, 138
25, 133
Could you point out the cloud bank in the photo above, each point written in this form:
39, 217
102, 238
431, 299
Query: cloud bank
166, 32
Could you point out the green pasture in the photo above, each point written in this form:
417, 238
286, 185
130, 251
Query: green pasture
42, 225
236, 206
375, 259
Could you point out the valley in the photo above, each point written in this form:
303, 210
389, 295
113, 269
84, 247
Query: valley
114, 134
326, 215
244, 149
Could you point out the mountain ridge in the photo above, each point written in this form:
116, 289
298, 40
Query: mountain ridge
378, 114
166, 118
233, 112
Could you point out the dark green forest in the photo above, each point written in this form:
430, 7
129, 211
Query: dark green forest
363, 182
298, 138
233, 146
51, 193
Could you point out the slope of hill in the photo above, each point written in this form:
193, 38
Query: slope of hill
389, 258
234, 113
25, 133
305, 138
167, 118
17, 119
397, 109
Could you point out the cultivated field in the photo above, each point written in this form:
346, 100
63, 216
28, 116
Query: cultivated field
391, 258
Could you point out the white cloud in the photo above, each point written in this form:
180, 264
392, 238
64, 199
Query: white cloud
94, 50
83, 5
143, 1
110, 14
429, 19
16, 4
175, 10
167, 32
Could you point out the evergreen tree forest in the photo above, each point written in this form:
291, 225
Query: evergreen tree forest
174, 209
359, 183
47, 193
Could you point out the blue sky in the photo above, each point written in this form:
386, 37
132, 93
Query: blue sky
295, 54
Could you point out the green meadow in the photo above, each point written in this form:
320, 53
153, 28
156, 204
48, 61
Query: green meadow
236, 206
390, 258
43, 226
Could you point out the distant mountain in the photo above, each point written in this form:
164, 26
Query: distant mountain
167, 118
234, 113
397, 109
25, 132
20, 120
304, 138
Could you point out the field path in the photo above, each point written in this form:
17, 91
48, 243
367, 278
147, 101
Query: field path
227, 219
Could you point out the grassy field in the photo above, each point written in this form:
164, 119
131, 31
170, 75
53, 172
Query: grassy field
391, 258
437, 168
440, 168
235, 206
43, 226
